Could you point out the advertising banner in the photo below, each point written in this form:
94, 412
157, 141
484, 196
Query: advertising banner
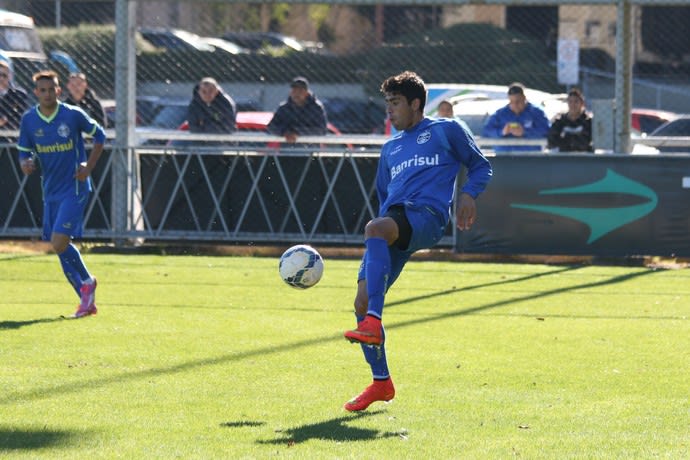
612, 205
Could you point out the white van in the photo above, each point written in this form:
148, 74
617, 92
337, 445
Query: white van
21, 47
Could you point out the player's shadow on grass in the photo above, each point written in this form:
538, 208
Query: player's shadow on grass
336, 429
29, 322
15, 439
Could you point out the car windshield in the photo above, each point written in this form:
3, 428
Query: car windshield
680, 127
19, 39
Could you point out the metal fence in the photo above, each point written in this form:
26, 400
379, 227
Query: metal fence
143, 59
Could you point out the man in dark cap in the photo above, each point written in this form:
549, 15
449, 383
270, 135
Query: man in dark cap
301, 114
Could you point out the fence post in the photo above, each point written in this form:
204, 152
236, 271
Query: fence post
124, 180
624, 59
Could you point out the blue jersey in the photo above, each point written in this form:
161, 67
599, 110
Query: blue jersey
418, 167
533, 121
58, 144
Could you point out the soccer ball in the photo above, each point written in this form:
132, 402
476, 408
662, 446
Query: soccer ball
301, 266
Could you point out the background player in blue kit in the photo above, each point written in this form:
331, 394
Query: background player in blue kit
415, 185
52, 131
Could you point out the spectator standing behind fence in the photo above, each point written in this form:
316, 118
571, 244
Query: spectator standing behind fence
82, 96
519, 119
211, 110
51, 133
13, 100
302, 114
572, 131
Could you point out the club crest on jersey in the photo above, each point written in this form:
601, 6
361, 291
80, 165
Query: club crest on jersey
424, 137
63, 130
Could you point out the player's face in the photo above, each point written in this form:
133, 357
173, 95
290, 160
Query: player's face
47, 92
400, 112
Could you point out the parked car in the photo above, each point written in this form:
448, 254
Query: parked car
166, 112
356, 116
473, 103
678, 127
224, 46
174, 39
21, 48
257, 121
644, 121
259, 42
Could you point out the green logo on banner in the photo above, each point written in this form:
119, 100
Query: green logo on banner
601, 220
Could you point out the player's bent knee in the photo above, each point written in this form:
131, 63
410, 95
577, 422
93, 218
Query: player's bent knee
382, 227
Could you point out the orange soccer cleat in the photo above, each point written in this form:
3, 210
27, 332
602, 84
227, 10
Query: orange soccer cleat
368, 332
379, 390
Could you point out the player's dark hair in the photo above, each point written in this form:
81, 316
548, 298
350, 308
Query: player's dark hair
46, 75
408, 84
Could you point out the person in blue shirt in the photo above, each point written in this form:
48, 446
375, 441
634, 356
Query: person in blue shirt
415, 183
519, 119
50, 134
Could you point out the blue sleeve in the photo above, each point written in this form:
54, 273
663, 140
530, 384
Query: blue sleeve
540, 124
89, 126
494, 126
383, 178
25, 144
479, 170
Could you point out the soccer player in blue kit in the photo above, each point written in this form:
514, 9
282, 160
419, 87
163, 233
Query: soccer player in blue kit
415, 184
51, 132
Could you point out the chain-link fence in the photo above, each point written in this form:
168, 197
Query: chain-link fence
345, 50
624, 56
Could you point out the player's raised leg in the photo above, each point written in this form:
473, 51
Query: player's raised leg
381, 388
379, 234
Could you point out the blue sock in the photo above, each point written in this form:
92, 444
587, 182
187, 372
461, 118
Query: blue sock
376, 357
74, 267
378, 262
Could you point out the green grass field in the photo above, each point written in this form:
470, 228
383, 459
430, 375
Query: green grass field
214, 357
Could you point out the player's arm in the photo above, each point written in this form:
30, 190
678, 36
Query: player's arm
479, 173
26, 148
466, 212
26, 160
98, 134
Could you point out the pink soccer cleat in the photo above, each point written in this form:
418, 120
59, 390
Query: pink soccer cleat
87, 306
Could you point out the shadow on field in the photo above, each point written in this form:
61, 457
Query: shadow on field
482, 286
502, 303
29, 322
330, 430
22, 439
11, 397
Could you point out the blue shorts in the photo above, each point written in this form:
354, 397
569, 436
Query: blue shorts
427, 227
65, 216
